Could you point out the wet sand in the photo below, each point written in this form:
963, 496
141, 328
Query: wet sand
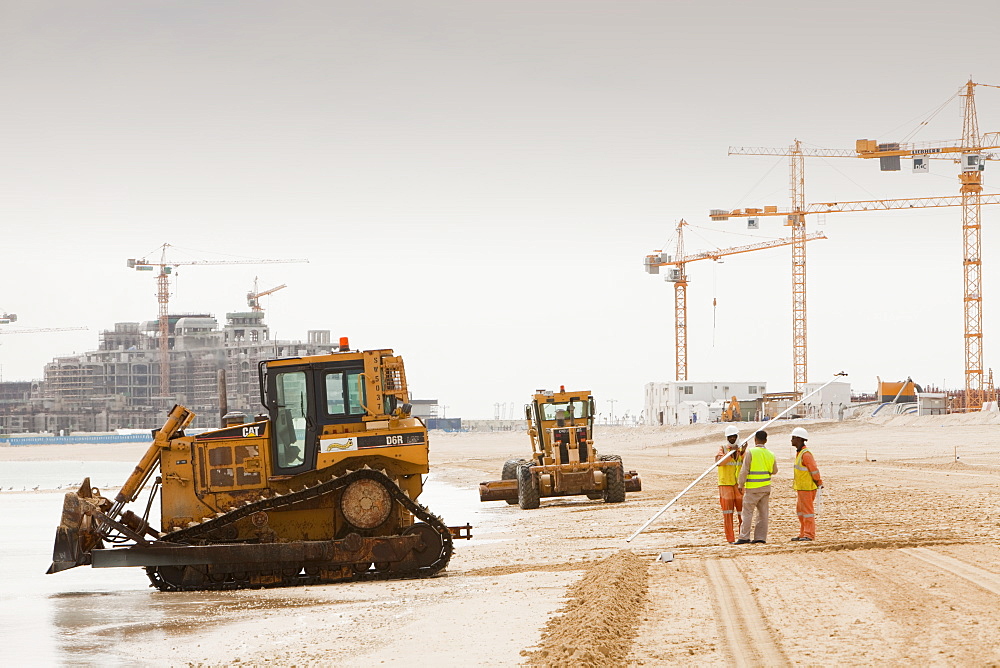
906, 567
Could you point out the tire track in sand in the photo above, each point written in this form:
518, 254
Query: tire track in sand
748, 638
977, 576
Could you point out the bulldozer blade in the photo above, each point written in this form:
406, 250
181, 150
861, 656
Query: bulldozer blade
75, 537
66, 552
85, 491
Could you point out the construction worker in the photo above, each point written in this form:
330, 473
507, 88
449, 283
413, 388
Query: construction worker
730, 498
754, 483
805, 483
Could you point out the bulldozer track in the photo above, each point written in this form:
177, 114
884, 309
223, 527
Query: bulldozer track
747, 640
977, 576
198, 534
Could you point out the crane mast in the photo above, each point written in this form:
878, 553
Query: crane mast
163, 299
972, 187
798, 223
680, 310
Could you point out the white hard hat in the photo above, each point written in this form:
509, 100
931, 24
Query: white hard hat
801, 433
732, 431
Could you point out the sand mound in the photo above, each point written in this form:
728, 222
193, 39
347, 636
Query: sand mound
599, 623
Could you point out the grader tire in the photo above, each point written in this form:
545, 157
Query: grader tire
614, 492
509, 472
527, 490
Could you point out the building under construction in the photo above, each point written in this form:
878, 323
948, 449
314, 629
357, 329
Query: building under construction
118, 385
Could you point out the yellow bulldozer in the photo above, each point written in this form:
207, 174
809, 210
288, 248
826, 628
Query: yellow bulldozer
563, 459
321, 487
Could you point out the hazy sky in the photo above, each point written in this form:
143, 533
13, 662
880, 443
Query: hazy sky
475, 183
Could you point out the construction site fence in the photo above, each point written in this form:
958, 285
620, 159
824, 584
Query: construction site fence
493, 425
75, 440
444, 424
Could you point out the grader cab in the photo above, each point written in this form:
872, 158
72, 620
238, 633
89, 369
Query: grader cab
563, 459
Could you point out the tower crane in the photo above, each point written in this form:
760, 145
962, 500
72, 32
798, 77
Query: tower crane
678, 276
253, 297
166, 268
971, 152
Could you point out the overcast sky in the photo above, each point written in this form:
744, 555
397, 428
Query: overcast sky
475, 183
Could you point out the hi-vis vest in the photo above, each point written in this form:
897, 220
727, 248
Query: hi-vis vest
728, 469
761, 463
803, 479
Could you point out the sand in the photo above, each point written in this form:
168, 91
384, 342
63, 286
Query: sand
905, 568
598, 623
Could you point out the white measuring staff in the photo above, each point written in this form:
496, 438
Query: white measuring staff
728, 454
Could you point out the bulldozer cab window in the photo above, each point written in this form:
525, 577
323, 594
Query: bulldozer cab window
345, 395
291, 406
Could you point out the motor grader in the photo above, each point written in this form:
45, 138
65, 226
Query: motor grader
319, 488
563, 459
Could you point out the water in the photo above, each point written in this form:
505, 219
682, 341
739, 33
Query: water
21, 476
458, 506
42, 616
82, 616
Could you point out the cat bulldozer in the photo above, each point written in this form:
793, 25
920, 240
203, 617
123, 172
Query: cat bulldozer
321, 487
563, 459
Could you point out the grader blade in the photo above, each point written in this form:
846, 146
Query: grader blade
633, 483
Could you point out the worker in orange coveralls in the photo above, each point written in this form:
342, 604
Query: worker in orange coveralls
805, 483
730, 497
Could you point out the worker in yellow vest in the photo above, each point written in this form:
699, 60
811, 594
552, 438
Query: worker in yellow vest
730, 497
754, 483
805, 483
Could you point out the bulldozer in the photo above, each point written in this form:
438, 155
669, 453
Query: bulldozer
563, 459
320, 487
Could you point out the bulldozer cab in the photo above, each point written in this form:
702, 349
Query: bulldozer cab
561, 425
306, 398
